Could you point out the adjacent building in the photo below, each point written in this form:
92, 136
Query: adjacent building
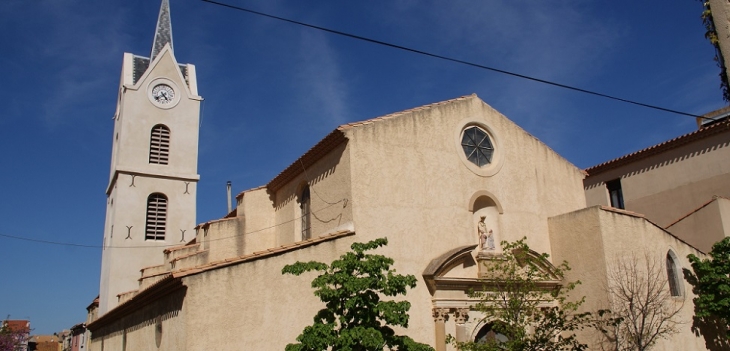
681, 184
20, 331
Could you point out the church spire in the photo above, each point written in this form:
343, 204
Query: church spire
163, 33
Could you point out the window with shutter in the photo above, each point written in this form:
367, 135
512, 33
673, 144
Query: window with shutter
160, 145
156, 217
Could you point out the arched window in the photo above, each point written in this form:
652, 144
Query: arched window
156, 217
487, 334
160, 144
305, 203
673, 275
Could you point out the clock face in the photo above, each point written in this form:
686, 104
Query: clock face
163, 94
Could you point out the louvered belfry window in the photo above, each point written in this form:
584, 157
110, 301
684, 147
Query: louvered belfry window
160, 144
156, 217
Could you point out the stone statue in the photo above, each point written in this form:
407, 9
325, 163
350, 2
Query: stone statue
486, 237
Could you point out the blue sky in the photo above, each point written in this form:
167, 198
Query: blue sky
272, 90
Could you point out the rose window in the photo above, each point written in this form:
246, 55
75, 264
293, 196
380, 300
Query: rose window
477, 146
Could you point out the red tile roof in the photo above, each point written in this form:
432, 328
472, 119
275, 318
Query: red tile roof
17, 325
704, 132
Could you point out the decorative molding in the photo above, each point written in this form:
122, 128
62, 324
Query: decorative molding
440, 314
461, 315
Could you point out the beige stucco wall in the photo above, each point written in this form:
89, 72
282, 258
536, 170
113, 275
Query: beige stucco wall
411, 184
706, 226
669, 185
138, 329
252, 306
264, 220
329, 183
593, 239
256, 211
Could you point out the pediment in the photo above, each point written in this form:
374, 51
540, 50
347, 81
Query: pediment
464, 269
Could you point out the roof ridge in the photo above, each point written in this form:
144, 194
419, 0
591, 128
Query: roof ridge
403, 112
336, 137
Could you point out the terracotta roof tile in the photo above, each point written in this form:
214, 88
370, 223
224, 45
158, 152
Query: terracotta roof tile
712, 129
18, 325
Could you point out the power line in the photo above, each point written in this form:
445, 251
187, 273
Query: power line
446, 58
59, 243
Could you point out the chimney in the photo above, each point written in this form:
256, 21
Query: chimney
228, 190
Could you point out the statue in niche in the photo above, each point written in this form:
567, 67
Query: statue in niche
486, 237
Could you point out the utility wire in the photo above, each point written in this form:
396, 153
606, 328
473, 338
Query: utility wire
404, 48
160, 246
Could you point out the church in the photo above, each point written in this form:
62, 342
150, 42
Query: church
444, 182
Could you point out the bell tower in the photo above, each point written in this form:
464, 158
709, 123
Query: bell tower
151, 194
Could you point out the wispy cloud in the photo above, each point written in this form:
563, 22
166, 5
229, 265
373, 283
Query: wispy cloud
323, 90
77, 42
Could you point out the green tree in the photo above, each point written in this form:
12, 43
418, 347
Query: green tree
355, 318
710, 280
523, 304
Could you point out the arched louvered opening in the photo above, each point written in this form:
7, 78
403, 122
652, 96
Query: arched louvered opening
160, 144
305, 204
156, 217
673, 275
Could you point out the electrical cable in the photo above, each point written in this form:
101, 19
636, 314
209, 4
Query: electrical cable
421, 52
311, 186
160, 246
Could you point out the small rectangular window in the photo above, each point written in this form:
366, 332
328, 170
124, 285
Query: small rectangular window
615, 193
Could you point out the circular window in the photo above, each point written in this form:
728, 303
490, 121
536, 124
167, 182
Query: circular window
477, 146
